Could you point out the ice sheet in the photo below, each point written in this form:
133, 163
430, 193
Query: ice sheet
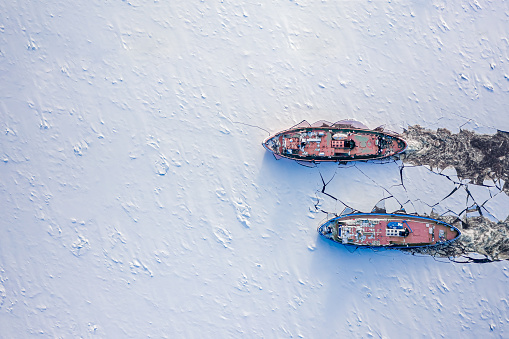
137, 200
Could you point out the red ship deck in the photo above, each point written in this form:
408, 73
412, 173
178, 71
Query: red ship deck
324, 144
366, 230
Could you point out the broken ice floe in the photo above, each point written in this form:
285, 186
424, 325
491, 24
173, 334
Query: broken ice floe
477, 157
460, 178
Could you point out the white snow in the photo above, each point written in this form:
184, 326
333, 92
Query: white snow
497, 206
136, 198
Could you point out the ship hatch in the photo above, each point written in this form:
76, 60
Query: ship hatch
343, 144
397, 232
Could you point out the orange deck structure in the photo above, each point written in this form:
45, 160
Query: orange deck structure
388, 230
341, 141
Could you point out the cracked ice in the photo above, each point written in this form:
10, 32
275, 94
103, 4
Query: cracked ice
459, 178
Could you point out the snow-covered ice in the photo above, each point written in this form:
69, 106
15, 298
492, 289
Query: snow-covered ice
137, 200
